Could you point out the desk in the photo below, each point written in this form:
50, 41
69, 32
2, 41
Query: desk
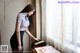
45, 49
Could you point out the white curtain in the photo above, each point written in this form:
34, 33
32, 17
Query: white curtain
61, 25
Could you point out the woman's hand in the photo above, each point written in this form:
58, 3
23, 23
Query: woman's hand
36, 39
19, 47
29, 33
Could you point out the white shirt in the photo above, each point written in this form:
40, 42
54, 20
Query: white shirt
23, 20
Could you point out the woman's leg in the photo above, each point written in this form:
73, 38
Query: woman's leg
14, 43
14, 51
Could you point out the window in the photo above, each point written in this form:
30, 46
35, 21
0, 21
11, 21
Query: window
63, 22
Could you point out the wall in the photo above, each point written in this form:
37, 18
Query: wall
8, 12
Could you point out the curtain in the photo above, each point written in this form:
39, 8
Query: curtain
61, 24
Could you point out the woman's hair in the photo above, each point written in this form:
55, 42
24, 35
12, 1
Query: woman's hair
28, 8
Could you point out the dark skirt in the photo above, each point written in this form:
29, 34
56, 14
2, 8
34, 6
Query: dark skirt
14, 41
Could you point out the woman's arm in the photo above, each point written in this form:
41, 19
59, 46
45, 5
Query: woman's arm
28, 32
18, 32
18, 23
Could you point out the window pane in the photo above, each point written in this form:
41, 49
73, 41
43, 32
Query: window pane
53, 19
67, 22
78, 20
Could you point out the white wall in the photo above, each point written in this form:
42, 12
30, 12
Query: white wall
8, 13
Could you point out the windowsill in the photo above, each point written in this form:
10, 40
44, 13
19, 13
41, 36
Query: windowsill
66, 45
73, 47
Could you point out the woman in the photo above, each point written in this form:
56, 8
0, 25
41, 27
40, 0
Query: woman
22, 24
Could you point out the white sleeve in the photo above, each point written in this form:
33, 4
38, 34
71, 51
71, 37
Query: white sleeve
19, 18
